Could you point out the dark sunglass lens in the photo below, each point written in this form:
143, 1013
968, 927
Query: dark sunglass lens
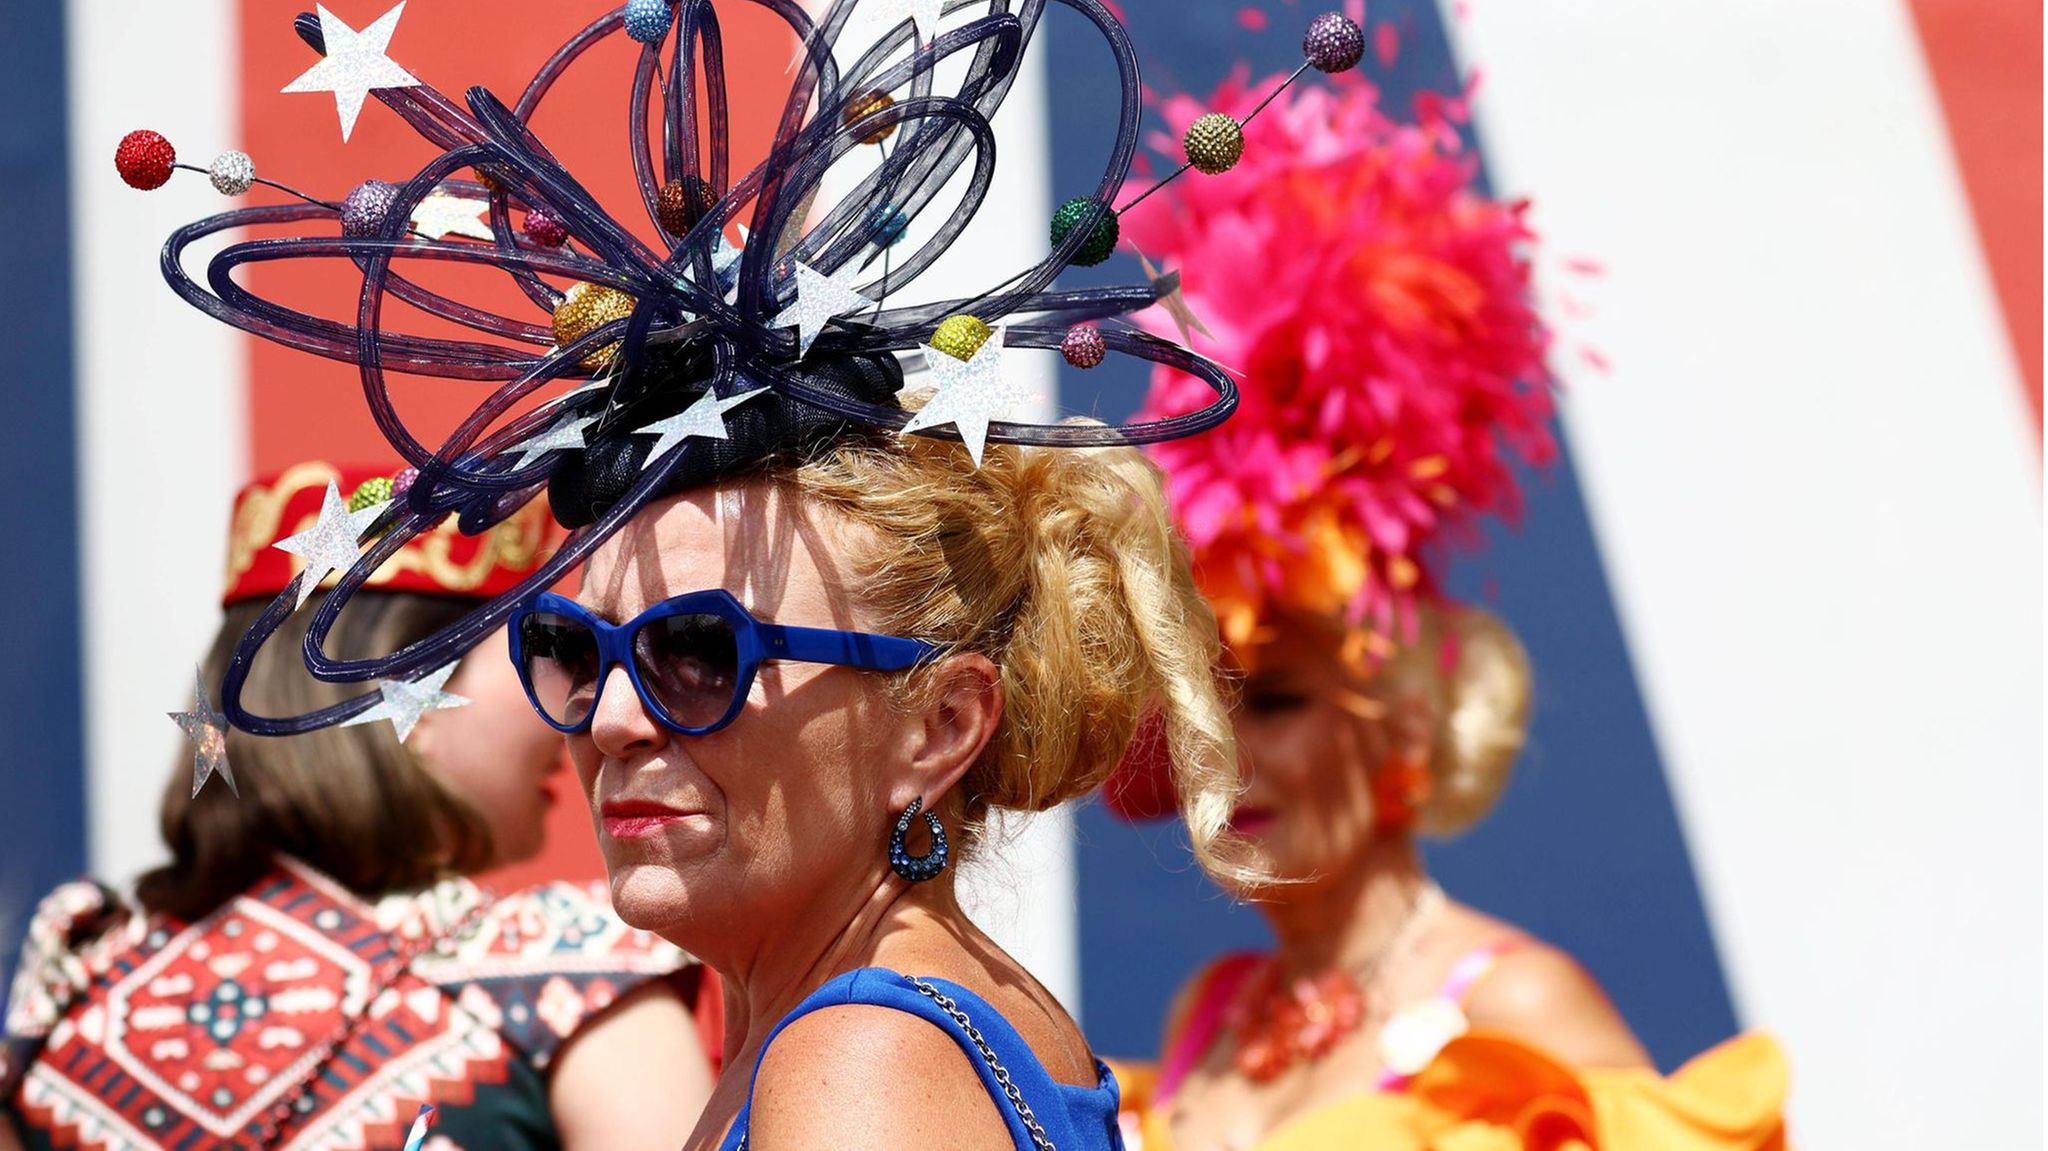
560, 663
691, 666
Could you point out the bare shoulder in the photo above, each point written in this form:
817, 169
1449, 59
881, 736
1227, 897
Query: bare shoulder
1538, 993
860, 1077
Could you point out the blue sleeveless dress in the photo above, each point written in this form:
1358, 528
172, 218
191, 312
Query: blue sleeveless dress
1070, 1118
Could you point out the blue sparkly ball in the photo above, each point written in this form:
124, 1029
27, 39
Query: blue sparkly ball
887, 224
647, 20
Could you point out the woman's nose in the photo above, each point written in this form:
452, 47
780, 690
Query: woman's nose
620, 726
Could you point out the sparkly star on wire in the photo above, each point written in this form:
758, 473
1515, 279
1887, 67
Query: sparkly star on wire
705, 419
818, 299
1170, 298
207, 728
566, 434
441, 215
884, 15
332, 544
967, 394
354, 65
405, 702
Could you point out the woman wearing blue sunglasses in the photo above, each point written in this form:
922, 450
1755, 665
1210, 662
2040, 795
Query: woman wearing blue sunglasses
792, 695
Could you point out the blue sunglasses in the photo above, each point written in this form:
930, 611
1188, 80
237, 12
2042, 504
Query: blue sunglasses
691, 658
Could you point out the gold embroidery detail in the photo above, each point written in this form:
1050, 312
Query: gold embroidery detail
517, 543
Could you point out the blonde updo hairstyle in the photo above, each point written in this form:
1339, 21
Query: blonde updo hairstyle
1062, 567
1473, 675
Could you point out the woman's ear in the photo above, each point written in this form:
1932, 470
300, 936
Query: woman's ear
961, 709
1411, 728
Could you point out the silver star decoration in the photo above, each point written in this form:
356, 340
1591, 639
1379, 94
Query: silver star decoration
567, 433
704, 419
332, 544
818, 298
207, 728
967, 393
883, 15
1170, 298
405, 702
355, 64
441, 215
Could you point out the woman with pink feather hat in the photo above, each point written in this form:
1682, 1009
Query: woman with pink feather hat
1394, 375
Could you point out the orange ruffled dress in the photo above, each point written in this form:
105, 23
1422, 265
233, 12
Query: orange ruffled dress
1486, 1091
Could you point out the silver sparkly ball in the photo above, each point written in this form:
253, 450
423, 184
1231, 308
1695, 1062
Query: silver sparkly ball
232, 173
1333, 43
362, 214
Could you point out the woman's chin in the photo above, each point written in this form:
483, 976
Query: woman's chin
650, 897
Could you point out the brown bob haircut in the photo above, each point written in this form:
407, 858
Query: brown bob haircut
350, 801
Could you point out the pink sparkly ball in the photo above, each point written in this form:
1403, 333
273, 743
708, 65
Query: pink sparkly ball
363, 212
402, 482
1333, 43
544, 229
144, 159
1083, 346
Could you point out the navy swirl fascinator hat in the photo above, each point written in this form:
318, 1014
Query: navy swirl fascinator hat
696, 356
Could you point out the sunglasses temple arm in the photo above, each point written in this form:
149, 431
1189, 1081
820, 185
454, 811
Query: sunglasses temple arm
846, 648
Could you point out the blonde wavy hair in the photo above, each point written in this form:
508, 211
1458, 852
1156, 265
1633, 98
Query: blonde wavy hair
1472, 672
1063, 568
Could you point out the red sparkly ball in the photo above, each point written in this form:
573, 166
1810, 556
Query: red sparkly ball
1083, 346
543, 229
144, 159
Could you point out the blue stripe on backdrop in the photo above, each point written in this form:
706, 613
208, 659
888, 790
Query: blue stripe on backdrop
1586, 850
42, 820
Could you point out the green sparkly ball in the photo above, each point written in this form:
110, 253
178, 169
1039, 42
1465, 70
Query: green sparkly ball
1215, 143
1101, 243
961, 336
370, 494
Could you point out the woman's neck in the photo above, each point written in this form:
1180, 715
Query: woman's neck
821, 941
1349, 917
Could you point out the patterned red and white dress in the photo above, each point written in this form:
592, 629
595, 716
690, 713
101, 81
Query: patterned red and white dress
300, 1016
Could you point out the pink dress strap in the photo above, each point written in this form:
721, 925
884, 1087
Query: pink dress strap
1473, 966
1204, 1024
1466, 973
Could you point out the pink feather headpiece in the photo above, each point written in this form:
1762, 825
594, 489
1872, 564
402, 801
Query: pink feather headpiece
1380, 311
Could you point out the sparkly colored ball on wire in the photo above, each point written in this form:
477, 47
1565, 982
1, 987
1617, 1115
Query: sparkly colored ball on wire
544, 229
144, 159
682, 203
1215, 143
872, 100
961, 336
370, 493
584, 309
232, 173
1333, 43
647, 20
1083, 346
887, 224
1101, 242
363, 212
403, 481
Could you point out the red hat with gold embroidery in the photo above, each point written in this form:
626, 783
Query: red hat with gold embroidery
443, 561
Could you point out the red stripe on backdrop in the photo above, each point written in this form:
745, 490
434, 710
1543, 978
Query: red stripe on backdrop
302, 407
1986, 59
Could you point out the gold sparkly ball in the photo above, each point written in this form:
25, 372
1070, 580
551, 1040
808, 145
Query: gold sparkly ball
872, 100
585, 309
1215, 143
961, 336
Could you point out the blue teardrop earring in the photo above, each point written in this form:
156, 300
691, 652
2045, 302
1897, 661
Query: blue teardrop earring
918, 868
